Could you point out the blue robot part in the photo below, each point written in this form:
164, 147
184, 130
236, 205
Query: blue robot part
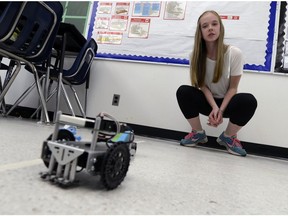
73, 130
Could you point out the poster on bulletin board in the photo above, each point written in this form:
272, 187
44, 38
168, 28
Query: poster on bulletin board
163, 32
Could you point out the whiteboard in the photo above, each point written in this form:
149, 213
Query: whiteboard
248, 25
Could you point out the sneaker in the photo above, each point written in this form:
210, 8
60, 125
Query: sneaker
232, 145
193, 138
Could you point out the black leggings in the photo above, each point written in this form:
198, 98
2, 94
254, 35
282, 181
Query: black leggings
192, 101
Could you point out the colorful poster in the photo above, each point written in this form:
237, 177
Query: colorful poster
175, 10
122, 8
102, 22
119, 23
146, 9
139, 28
105, 37
104, 8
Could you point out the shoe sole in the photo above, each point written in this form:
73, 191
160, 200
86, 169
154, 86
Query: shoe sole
195, 144
227, 147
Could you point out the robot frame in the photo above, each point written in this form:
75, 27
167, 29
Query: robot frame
108, 154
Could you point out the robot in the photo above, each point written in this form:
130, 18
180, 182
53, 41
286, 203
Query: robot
108, 154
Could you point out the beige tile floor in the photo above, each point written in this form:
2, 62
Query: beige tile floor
164, 178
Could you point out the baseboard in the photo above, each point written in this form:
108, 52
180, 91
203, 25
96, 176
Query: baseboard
159, 133
251, 148
25, 112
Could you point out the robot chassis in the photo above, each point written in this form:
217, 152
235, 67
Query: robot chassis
108, 155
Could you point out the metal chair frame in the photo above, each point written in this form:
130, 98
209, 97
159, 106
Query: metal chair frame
29, 56
64, 82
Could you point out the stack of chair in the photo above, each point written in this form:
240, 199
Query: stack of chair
27, 34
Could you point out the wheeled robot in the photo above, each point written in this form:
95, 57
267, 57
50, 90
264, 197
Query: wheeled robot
108, 154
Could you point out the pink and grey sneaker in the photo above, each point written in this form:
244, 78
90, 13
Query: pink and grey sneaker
194, 138
232, 145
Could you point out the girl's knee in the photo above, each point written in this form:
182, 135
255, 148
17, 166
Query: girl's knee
183, 91
182, 88
247, 100
251, 101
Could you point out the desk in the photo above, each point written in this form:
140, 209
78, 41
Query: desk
68, 40
74, 39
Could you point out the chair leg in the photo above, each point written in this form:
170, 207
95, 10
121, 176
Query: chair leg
78, 101
2, 103
23, 96
9, 74
50, 95
46, 84
65, 95
60, 87
58, 96
18, 60
67, 100
43, 101
8, 82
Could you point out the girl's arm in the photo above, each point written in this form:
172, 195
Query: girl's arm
233, 87
213, 116
209, 97
216, 115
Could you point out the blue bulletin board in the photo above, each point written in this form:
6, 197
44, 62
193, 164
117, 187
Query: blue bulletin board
163, 32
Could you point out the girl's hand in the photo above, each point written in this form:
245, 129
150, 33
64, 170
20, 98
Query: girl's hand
220, 117
215, 118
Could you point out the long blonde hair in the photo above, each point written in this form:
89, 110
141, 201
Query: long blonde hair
199, 55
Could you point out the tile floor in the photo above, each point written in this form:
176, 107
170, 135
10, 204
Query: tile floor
164, 178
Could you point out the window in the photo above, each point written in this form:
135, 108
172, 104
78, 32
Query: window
76, 12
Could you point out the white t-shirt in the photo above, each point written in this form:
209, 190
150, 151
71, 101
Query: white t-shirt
233, 66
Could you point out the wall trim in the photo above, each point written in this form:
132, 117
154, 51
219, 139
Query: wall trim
251, 148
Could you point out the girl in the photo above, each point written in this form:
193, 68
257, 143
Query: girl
215, 72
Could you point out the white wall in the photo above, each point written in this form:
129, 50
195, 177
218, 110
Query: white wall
147, 97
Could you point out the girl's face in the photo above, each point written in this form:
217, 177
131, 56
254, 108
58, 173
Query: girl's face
210, 27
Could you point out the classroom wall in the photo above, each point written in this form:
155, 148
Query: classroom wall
147, 97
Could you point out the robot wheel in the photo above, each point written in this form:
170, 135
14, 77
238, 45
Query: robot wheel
115, 165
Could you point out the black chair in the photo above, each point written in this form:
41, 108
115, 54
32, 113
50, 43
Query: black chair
69, 41
77, 74
9, 12
31, 38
